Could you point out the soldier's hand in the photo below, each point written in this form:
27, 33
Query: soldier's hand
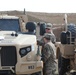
40, 43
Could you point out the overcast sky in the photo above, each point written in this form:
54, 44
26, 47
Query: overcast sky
49, 6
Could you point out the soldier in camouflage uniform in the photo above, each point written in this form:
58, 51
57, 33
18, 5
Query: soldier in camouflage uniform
49, 56
48, 30
41, 42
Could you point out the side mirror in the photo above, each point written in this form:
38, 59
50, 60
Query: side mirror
42, 29
31, 26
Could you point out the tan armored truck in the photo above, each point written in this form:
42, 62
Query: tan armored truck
66, 50
19, 53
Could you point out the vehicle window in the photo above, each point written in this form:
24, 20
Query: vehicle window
9, 24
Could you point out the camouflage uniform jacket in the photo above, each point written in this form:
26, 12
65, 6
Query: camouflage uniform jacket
49, 59
53, 38
41, 42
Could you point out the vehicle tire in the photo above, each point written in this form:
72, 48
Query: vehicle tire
74, 73
10, 73
7, 73
72, 28
65, 66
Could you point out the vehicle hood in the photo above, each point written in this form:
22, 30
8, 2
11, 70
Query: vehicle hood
22, 39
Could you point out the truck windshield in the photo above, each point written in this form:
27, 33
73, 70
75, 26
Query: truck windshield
9, 24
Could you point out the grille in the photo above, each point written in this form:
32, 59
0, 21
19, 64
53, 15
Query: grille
8, 56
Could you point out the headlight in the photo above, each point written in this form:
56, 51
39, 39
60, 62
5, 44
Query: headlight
28, 49
24, 51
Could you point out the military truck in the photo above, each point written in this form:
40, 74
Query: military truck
66, 49
19, 53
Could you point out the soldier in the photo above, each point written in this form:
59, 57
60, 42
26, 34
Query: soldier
48, 30
41, 42
48, 52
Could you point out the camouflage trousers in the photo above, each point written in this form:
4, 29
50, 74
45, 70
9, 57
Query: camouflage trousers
48, 71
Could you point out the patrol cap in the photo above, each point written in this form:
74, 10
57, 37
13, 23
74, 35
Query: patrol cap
48, 26
47, 36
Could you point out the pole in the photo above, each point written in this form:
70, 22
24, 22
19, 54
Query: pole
65, 18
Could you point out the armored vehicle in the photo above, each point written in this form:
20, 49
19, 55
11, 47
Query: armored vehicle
19, 53
66, 49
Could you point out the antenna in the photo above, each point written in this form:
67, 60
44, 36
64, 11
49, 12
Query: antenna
24, 11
